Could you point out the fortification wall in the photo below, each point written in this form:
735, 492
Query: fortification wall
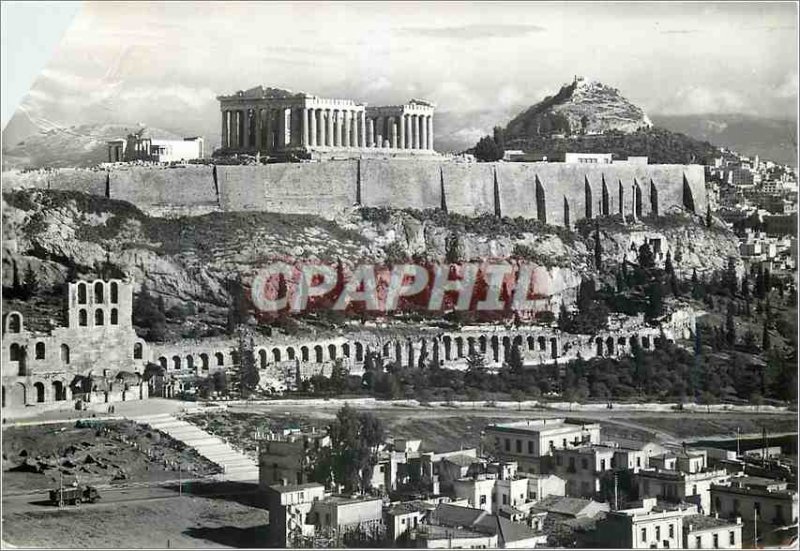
157, 187
552, 192
413, 184
305, 188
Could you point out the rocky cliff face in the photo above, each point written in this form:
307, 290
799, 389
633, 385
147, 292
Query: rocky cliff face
191, 259
583, 107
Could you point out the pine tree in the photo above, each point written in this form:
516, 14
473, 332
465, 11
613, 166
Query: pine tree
30, 283
730, 325
765, 344
745, 287
709, 220
668, 265
598, 251
729, 281
453, 249
646, 258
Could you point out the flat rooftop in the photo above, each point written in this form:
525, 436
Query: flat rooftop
295, 487
543, 426
703, 522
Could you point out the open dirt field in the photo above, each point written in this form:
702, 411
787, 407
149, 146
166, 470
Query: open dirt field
176, 522
111, 452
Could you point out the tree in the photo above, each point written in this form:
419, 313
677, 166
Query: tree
730, 326
745, 287
646, 258
220, 379
668, 265
248, 372
238, 309
30, 283
152, 370
454, 252
729, 281
598, 251
765, 344
655, 301
499, 137
564, 320
709, 219
518, 396
487, 150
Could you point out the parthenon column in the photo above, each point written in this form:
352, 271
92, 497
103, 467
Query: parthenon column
224, 135
246, 139
268, 113
280, 143
402, 125
329, 137
353, 129
362, 130
312, 134
430, 132
393, 132
347, 124
370, 133
423, 138
415, 132
321, 141
304, 124
409, 135
257, 117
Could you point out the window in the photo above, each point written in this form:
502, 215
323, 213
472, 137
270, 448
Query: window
98, 292
65, 353
638, 461
584, 463
731, 538
551, 446
82, 318
508, 445
658, 533
716, 541
220, 358
694, 489
671, 530
15, 352
383, 468
114, 292
403, 521
530, 447
483, 500
81, 293
644, 534
519, 446
98, 317
114, 316
505, 499
698, 542
39, 351
572, 464
602, 464
564, 443
137, 351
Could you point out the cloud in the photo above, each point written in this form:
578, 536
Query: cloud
789, 87
680, 31
703, 100
466, 32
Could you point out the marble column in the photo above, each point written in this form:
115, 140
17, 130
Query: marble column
312, 127
380, 133
402, 125
422, 136
414, 132
321, 141
246, 136
257, 120
430, 132
393, 132
347, 124
224, 135
353, 129
281, 129
362, 130
268, 113
409, 136
304, 124
370, 133
330, 134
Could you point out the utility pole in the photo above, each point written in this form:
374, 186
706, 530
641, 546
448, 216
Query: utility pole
180, 481
738, 447
616, 492
60, 490
755, 528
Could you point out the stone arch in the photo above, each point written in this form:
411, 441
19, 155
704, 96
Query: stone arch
482, 343
176, 362
262, 358
332, 351
605, 208
13, 322
114, 292
359, 352
276, 354
653, 198
531, 342
411, 355
163, 362
446, 340
59, 391
204, 361
553, 348
64, 353
541, 202
599, 342
567, 223
621, 342
471, 345
346, 350
189, 362
99, 292
99, 317
290, 353
220, 357
19, 394
138, 351
318, 353
459, 347
39, 392
610, 346
304, 353
114, 317
39, 351
542, 342
587, 196
398, 352
83, 317
82, 292
15, 352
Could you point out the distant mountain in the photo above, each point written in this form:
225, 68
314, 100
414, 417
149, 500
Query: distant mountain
76, 146
582, 107
771, 139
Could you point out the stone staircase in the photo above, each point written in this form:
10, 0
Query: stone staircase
237, 466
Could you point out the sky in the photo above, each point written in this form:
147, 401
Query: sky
163, 63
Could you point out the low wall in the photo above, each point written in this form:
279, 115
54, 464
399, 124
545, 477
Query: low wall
556, 193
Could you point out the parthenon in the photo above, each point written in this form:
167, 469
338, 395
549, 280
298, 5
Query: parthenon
272, 121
